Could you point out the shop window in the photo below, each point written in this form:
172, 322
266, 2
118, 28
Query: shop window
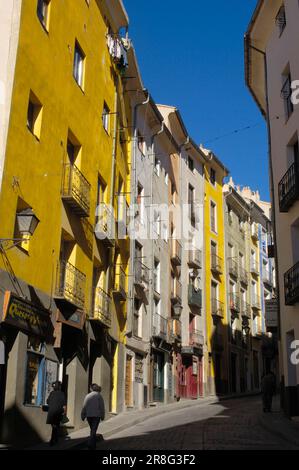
40, 374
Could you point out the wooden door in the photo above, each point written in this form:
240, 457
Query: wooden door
128, 387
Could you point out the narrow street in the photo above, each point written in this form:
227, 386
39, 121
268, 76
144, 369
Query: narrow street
229, 425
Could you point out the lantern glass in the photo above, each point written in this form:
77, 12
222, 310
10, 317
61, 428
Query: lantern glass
27, 222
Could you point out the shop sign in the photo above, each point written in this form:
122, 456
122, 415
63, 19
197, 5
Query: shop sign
26, 316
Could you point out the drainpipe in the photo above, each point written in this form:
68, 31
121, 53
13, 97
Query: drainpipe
133, 198
112, 189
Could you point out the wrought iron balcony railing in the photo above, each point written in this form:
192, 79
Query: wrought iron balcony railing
234, 302
76, 190
70, 284
217, 308
176, 252
288, 188
245, 309
159, 326
255, 302
291, 285
216, 264
254, 231
194, 297
244, 278
195, 259
174, 329
102, 307
119, 290
196, 338
233, 267
267, 277
105, 224
254, 267
141, 274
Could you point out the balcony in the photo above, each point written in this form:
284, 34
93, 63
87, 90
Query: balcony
194, 297
70, 284
176, 291
234, 302
174, 330
141, 274
216, 264
267, 277
102, 307
104, 229
245, 309
76, 190
196, 338
288, 188
243, 276
255, 231
254, 268
176, 253
159, 327
291, 285
195, 259
233, 267
119, 290
255, 302
217, 308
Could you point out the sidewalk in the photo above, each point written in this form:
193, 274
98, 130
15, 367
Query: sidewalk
123, 421
277, 423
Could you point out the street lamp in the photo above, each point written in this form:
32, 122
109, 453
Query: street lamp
27, 222
177, 310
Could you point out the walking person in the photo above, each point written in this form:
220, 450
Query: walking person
268, 390
94, 410
56, 409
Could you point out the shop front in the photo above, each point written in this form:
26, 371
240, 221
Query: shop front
30, 367
191, 376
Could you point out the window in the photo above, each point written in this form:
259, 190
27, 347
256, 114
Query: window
190, 164
280, 19
105, 117
286, 94
157, 166
213, 216
191, 200
157, 276
34, 115
78, 71
172, 192
213, 176
43, 12
141, 143
136, 319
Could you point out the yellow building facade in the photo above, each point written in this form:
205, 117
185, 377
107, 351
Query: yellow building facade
67, 158
216, 367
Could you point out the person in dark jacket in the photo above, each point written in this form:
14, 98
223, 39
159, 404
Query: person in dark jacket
94, 410
57, 408
268, 390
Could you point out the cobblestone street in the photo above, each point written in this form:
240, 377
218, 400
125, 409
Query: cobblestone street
233, 424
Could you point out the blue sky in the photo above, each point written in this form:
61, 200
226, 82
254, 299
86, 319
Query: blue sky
191, 56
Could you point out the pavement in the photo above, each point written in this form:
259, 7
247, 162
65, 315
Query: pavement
207, 423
